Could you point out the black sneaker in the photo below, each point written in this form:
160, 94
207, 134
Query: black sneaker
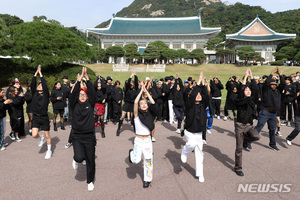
239, 173
274, 147
246, 146
249, 146
146, 184
12, 136
129, 157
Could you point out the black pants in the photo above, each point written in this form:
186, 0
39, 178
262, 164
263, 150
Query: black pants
110, 110
216, 104
159, 106
283, 110
117, 111
70, 140
165, 110
84, 149
296, 131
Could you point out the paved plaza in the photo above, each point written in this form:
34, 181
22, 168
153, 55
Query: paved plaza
25, 174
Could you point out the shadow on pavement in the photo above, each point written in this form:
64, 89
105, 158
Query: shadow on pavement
177, 141
174, 158
133, 169
223, 158
168, 126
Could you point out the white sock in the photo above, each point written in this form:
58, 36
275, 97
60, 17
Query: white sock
49, 147
30, 131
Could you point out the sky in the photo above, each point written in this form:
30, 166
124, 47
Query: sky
89, 13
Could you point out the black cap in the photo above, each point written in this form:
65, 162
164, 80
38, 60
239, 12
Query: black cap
108, 78
167, 78
234, 77
288, 77
190, 79
65, 77
265, 76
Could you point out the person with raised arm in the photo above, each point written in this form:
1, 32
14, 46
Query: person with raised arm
244, 130
195, 124
40, 102
144, 116
82, 103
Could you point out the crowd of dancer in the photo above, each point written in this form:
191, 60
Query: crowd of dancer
190, 104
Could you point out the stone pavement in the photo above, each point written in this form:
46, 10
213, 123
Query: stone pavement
25, 174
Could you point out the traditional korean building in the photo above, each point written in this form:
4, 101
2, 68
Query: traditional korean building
258, 35
176, 32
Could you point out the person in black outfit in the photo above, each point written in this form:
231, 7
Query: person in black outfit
16, 83
100, 88
130, 91
157, 86
117, 97
178, 102
40, 102
288, 97
109, 105
69, 143
244, 129
216, 87
270, 107
15, 112
58, 102
28, 99
82, 104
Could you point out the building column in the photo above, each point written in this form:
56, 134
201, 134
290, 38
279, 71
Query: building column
102, 45
182, 45
171, 45
194, 45
207, 58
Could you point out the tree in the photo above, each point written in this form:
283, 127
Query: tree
287, 52
47, 44
115, 51
221, 52
154, 50
246, 53
5, 40
170, 54
198, 54
297, 57
183, 54
213, 43
131, 52
11, 20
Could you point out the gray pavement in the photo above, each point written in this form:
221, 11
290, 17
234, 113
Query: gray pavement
25, 174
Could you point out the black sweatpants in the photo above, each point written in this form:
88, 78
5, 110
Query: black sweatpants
84, 149
216, 104
296, 131
117, 111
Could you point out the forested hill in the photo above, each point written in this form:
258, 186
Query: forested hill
214, 13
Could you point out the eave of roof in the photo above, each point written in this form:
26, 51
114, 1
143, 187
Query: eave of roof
155, 26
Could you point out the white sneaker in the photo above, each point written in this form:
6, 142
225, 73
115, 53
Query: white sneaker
178, 131
84, 162
41, 140
183, 158
204, 142
175, 122
68, 145
153, 139
91, 186
225, 118
289, 142
48, 154
218, 117
165, 120
288, 124
2, 148
208, 131
75, 164
201, 179
18, 139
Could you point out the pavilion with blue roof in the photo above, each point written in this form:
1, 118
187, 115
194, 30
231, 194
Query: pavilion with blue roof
176, 32
258, 35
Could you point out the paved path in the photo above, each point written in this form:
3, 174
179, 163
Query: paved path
25, 174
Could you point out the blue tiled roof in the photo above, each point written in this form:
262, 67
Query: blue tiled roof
155, 26
260, 38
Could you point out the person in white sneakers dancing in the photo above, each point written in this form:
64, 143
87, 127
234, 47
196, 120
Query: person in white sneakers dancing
195, 124
82, 103
40, 101
144, 116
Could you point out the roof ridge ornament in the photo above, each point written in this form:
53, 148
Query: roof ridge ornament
114, 15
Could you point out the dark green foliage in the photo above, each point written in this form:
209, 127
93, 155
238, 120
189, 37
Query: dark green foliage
246, 53
131, 52
5, 41
154, 51
287, 52
47, 44
11, 20
198, 54
115, 51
